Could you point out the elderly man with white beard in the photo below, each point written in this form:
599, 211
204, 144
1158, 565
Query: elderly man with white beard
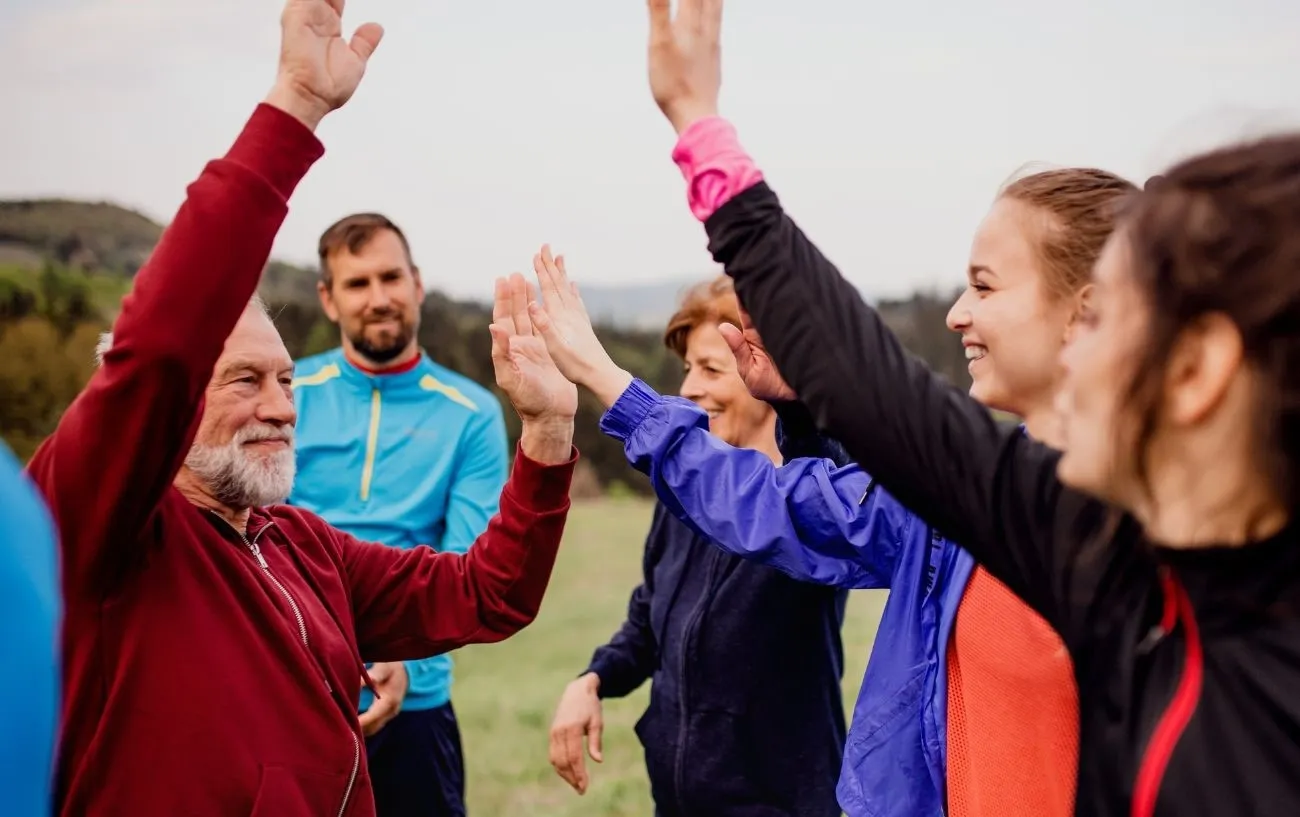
214, 641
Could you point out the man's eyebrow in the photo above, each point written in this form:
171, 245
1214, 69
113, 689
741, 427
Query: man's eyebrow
249, 364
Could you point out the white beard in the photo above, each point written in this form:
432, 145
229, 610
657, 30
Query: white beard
238, 479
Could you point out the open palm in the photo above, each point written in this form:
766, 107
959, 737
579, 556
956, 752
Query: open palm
685, 61
315, 60
524, 369
562, 320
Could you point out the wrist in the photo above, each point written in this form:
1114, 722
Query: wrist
687, 113
590, 682
306, 109
608, 383
547, 440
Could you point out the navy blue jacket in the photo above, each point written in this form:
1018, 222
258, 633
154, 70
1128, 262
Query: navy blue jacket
746, 717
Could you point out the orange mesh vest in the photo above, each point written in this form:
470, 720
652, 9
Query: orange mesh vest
1013, 711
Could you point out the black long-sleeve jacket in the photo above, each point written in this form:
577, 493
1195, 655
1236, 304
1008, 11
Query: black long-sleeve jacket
1188, 661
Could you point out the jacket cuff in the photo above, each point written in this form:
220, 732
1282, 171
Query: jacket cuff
276, 147
600, 667
716, 168
540, 488
629, 410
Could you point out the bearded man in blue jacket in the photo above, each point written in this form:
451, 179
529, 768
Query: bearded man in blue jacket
395, 448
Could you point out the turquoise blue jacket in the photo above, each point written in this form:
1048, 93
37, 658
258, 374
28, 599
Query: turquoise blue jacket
30, 608
407, 459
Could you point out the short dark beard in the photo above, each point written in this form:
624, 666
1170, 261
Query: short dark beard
382, 354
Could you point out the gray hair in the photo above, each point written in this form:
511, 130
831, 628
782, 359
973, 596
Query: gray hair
106, 338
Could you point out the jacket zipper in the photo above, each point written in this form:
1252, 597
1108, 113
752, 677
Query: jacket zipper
356, 765
1178, 607
302, 631
284, 591
692, 624
372, 444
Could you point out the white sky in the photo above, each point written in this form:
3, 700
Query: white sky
487, 127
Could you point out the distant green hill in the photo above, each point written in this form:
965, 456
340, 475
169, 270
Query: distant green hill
89, 235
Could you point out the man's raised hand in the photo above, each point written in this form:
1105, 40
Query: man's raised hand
319, 70
544, 399
686, 59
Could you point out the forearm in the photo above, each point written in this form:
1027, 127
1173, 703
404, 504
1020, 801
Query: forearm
802, 518
415, 603
930, 445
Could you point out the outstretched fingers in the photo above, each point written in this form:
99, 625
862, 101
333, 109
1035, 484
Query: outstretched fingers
549, 279
661, 19
502, 326
523, 325
711, 20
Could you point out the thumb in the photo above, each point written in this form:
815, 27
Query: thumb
739, 346
366, 40
545, 327
500, 342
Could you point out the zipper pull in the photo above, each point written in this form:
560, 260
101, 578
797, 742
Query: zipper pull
257, 551
1153, 637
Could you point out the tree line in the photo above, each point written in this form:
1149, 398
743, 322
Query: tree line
51, 318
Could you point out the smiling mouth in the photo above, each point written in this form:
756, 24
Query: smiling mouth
974, 353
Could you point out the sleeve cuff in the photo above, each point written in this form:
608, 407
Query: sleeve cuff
276, 147
629, 410
600, 669
540, 488
716, 168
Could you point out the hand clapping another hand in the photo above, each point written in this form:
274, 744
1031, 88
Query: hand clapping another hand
544, 399
319, 70
562, 320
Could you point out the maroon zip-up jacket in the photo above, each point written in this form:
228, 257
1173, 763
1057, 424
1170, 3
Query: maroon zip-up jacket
208, 671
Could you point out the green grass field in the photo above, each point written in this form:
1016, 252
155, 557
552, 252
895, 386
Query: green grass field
505, 694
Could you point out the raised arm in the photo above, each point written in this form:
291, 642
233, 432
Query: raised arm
807, 518
941, 453
122, 441
417, 603
411, 604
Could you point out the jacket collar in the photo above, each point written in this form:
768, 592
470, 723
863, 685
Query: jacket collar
370, 381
